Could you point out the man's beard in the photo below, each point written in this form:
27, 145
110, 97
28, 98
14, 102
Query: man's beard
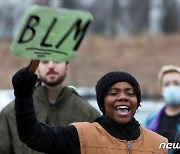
53, 83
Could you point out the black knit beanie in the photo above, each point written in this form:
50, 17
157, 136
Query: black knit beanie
105, 82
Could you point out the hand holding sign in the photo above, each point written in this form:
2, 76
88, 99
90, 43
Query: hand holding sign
51, 34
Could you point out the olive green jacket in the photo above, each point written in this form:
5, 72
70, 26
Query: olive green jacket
68, 108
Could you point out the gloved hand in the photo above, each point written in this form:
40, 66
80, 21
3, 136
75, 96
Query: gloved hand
23, 83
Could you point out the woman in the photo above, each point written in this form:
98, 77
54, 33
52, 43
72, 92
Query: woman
116, 131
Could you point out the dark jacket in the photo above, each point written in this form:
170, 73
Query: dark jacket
153, 123
68, 108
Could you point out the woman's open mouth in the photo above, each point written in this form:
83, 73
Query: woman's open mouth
122, 109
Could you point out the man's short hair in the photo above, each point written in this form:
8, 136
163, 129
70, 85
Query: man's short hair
166, 69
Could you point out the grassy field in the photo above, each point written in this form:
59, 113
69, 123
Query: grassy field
142, 56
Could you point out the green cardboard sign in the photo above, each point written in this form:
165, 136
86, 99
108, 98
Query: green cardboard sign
51, 34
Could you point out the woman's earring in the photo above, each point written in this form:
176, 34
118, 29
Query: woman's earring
137, 111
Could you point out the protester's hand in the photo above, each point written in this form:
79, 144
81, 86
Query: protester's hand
23, 83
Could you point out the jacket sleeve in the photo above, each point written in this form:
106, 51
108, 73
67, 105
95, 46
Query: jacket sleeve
5, 139
148, 120
88, 112
41, 137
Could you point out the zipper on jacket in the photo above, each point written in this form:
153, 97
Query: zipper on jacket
129, 146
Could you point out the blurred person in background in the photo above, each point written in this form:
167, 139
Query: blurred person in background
167, 121
55, 104
115, 132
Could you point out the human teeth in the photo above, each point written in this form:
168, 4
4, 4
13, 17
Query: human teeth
122, 107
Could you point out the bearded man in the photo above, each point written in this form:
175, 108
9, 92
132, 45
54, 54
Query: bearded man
54, 102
